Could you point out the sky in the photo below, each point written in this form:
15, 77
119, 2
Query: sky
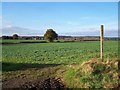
66, 18
60, 0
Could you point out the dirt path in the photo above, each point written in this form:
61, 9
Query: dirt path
33, 78
35, 84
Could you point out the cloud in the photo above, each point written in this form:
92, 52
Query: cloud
0, 25
110, 33
89, 18
92, 31
0, 17
8, 26
10, 30
110, 29
73, 28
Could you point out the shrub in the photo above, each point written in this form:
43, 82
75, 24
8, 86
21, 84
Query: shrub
98, 68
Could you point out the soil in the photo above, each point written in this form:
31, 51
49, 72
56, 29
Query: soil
48, 84
33, 78
38, 84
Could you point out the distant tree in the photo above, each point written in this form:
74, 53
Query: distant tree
50, 35
4, 37
15, 36
7, 37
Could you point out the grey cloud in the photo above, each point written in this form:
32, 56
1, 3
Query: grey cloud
107, 33
20, 31
84, 32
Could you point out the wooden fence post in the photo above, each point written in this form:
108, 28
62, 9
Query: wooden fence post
102, 42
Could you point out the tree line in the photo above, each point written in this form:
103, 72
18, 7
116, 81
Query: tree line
50, 35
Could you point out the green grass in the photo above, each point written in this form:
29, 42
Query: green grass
57, 53
19, 41
98, 75
55, 59
32, 41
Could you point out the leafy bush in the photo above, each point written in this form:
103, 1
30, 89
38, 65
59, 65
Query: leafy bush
98, 68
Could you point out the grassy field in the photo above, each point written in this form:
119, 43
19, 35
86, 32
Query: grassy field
56, 58
31, 41
21, 41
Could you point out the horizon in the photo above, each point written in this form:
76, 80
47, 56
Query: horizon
63, 35
66, 18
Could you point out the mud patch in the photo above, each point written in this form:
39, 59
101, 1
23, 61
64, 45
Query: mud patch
46, 84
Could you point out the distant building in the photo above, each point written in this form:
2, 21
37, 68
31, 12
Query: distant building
31, 37
79, 38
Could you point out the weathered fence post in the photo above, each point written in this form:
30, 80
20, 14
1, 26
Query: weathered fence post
101, 43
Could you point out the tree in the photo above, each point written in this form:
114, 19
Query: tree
15, 36
4, 37
50, 35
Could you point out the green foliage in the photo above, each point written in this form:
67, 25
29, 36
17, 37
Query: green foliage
50, 35
98, 68
84, 79
22, 41
96, 85
69, 77
15, 36
55, 53
17, 56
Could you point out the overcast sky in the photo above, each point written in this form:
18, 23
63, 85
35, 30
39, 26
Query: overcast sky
76, 19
